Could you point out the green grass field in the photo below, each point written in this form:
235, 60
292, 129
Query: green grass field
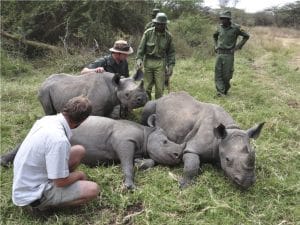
265, 87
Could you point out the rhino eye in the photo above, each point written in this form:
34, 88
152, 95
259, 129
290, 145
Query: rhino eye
126, 95
165, 142
228, 161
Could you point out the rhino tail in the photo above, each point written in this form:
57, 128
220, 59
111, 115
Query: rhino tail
9, 157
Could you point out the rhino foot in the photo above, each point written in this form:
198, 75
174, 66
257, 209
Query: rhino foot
143, 164
129, 186
184, 183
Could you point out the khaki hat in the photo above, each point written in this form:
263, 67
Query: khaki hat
121, 46
225, 14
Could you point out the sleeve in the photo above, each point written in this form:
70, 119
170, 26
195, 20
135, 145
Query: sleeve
170, 56
97, 63
57, 160
245, 38
215, 36
141, 49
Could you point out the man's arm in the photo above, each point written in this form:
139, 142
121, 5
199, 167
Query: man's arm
245, 36
98, 66
72, 178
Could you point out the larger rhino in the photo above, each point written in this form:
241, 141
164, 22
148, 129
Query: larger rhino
211, 136
105, 91
107, 140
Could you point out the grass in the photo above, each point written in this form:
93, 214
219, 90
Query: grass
265, 87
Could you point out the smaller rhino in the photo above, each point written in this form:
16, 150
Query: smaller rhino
105, 91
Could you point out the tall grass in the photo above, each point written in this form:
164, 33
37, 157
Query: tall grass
265, 87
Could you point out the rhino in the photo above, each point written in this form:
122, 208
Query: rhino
105, 91
107, 140
211, 136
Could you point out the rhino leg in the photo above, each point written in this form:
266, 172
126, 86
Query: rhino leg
191, 169
126, 153
144, 164
9, 157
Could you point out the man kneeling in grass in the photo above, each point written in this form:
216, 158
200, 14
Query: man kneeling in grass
44, 175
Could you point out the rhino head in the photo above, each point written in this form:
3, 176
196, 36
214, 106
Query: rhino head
236, 154
160, 148
129, 93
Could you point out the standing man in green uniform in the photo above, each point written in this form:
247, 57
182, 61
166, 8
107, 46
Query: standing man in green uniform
116, 62
151, 23
157, 52
225, 39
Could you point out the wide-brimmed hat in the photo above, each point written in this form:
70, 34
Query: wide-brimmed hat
161, 18
225, 14
121, 46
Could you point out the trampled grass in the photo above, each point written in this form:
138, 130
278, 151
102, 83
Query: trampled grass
265, 87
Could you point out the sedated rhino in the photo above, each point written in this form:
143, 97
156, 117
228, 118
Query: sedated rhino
105, 91
211, 136
107, 140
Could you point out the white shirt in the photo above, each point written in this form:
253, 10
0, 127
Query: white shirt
43, 156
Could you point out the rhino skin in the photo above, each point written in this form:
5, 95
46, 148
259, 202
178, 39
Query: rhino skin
211, 136
105, 91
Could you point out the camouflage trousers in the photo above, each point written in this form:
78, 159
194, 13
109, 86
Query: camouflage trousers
154, 75
224, 68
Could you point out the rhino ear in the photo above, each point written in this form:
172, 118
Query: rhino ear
116, 79
141, 86
152, 120
220, 131
254, 132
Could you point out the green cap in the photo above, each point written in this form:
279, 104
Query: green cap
155, 11
225, 14
160, 18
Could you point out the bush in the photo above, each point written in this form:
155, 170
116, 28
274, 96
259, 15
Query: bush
193, 34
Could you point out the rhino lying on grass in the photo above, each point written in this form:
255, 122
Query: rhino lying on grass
211, 136
105, 91
107, 140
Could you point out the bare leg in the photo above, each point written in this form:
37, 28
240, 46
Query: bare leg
76, 155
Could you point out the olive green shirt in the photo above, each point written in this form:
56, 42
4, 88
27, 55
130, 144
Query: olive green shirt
226, 37
109, 65
157, 45
149, 25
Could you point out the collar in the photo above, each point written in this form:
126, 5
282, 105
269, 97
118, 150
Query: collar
65, 125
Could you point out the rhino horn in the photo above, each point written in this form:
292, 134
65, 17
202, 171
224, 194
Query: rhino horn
220, 131
254, 132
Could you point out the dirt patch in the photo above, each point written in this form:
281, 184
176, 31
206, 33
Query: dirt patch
293, 103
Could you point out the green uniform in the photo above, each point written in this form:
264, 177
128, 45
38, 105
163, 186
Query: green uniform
110, 65
149, 25
157, 51
225, 39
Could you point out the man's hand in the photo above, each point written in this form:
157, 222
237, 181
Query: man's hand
139, 63
99, 70
169, 71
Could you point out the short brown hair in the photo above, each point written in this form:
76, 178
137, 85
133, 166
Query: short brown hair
77, 109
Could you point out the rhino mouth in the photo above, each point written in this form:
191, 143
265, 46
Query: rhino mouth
243, 183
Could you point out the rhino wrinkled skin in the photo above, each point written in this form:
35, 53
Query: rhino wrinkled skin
107, 140
211, 136
105, 91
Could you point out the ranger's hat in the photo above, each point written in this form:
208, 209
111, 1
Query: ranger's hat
225, 14
155, 11
161, 18
121, 46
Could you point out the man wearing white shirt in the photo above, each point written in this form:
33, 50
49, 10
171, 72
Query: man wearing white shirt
44, 166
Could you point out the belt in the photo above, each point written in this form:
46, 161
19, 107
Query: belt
153, 57
35, 203
225, 51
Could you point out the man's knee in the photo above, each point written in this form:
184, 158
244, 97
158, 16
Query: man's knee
78, 151
89, 189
